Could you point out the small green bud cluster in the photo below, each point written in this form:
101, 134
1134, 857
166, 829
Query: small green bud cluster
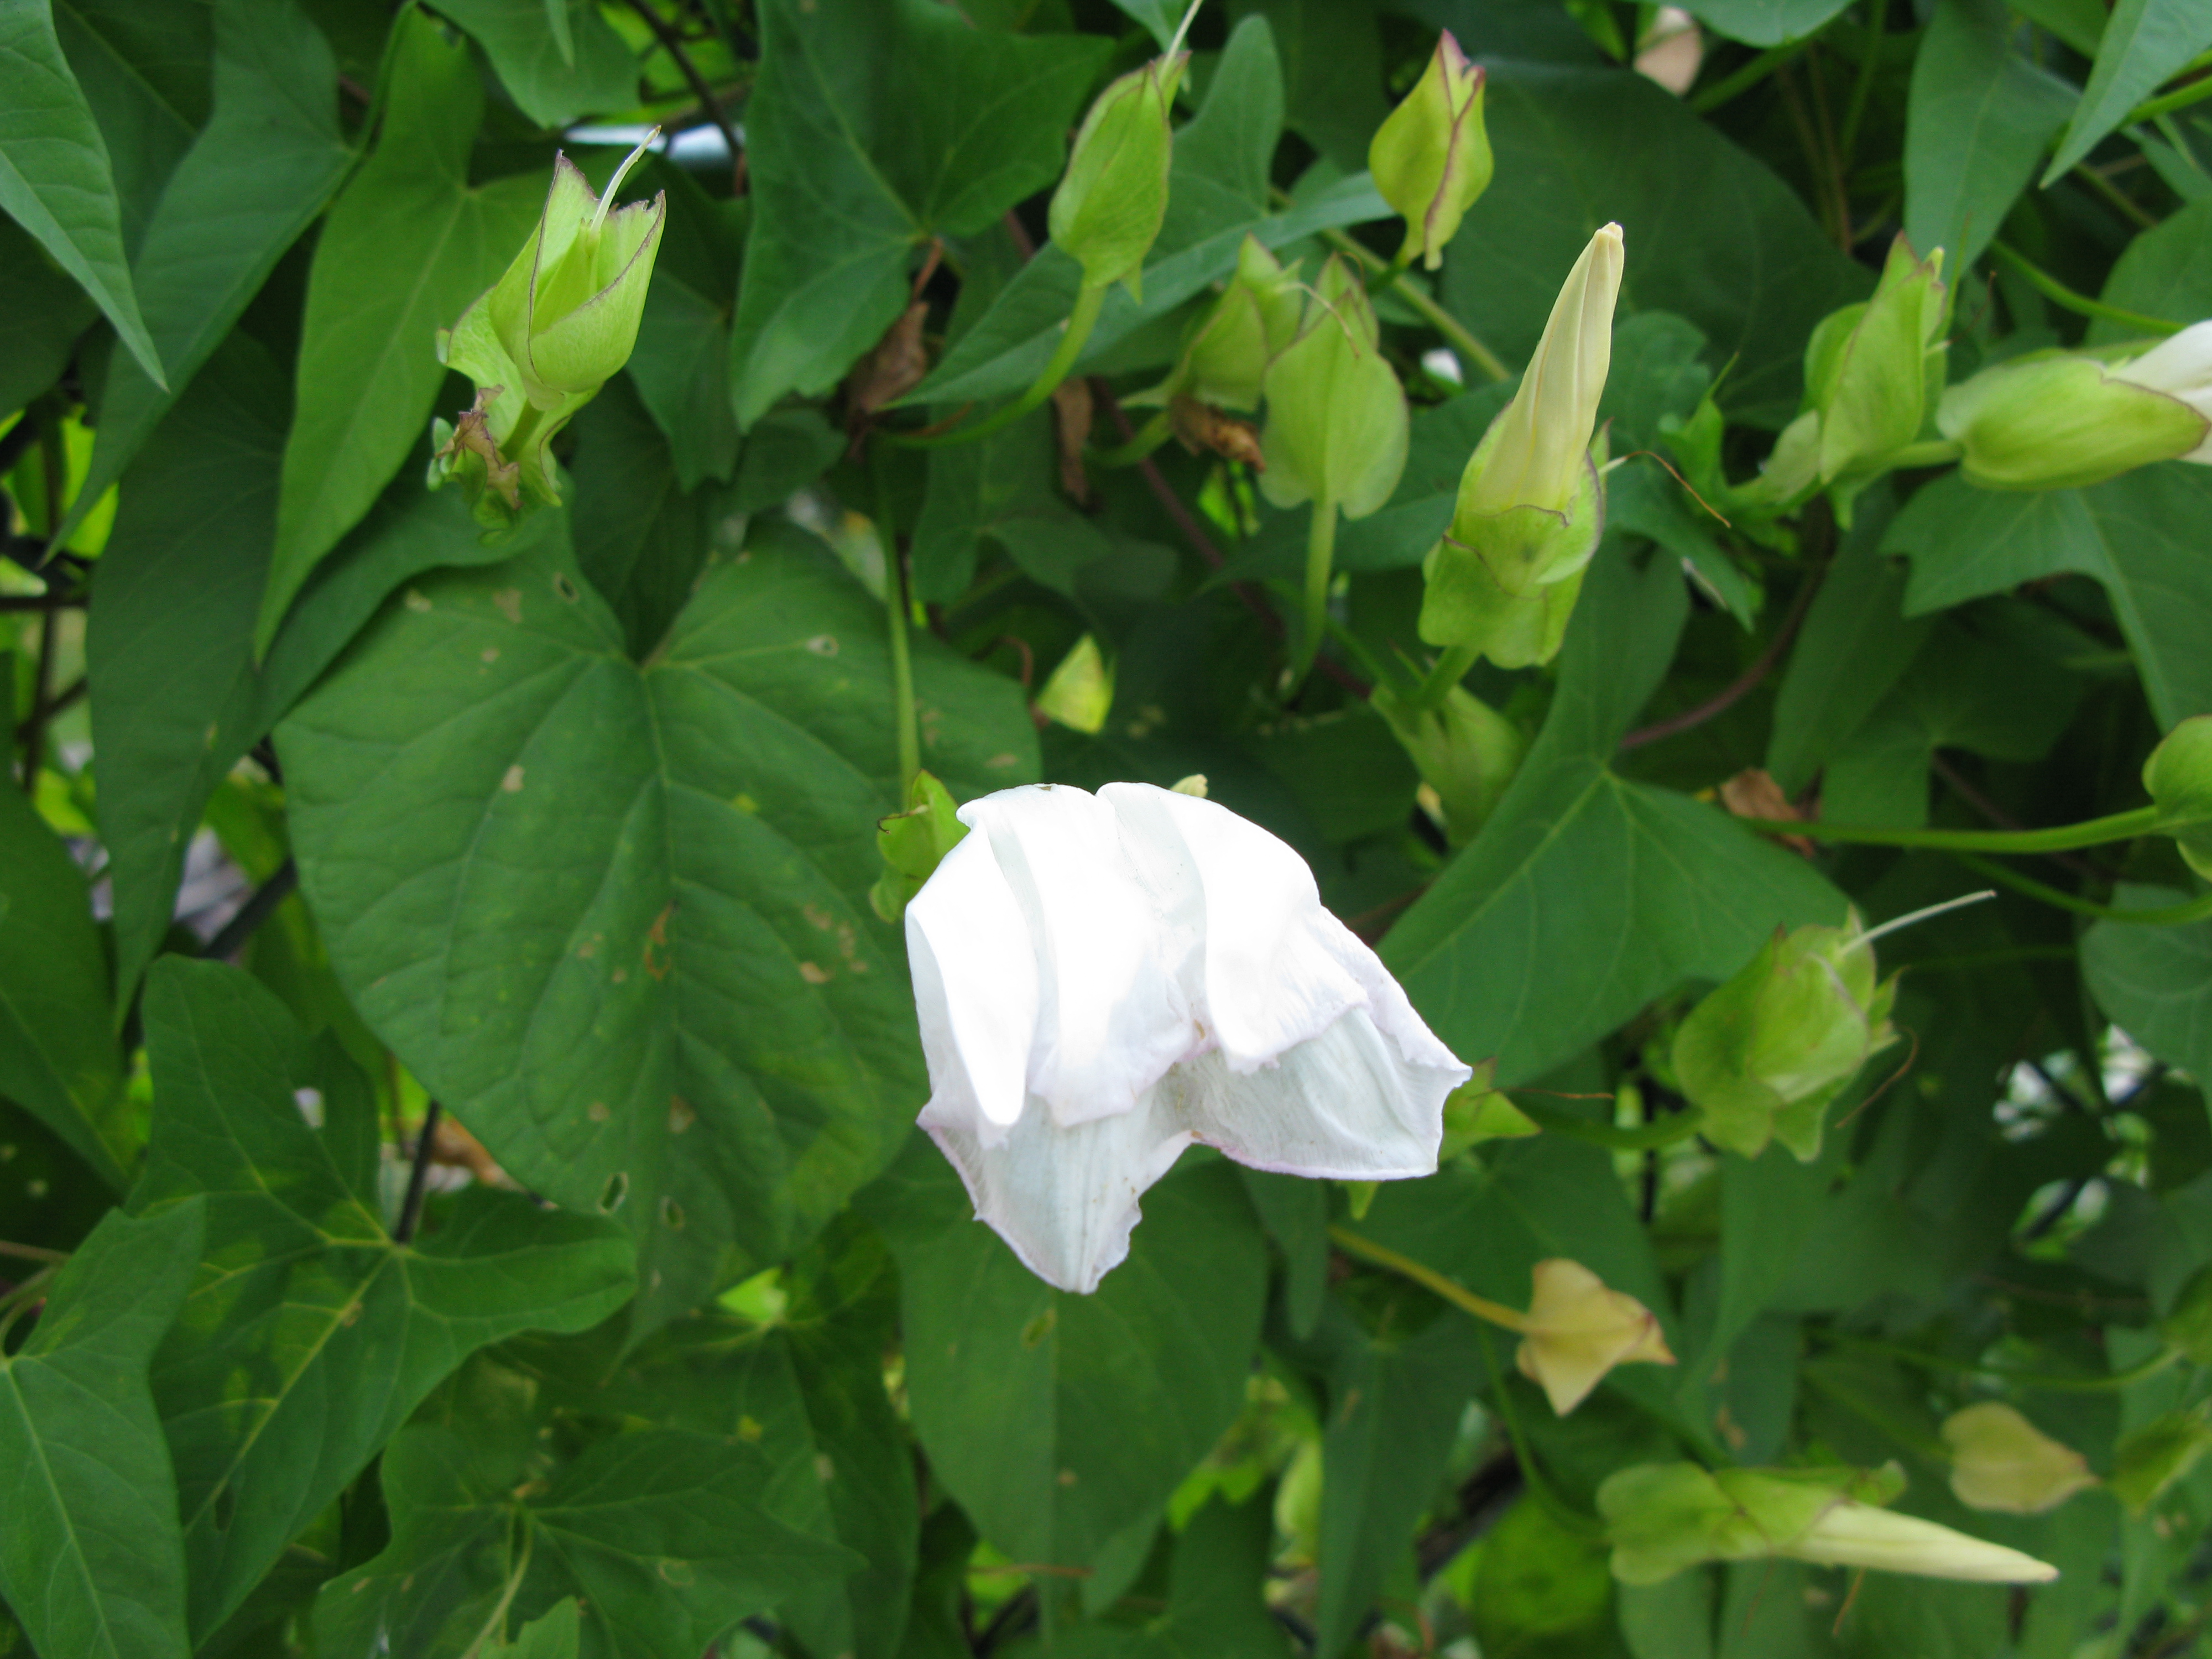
913, 843
1764, 1054
1531, 505
541, 342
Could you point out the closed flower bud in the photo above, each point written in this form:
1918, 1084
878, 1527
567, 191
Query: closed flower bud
1104, 980
1107, 210
1531, 503
1869, 368
2179, 775
1664, 1517
1463, 748
2157, 1454
1763, 1053
1337, 423
2063, 420
1577, 1330
913, 843
1431, 158
1225, 356
555, 327
2000, 1461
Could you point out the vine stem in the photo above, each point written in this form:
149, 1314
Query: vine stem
1648, 1138
2169, 915
1150, 436
2051, 1382
2067, 299
2092, 832
1382, 1255
1320, 554
1744, 683
897, 603
418, 1176
1075, 335
1449, 669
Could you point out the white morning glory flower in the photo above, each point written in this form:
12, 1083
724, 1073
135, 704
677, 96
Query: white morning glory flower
1104, 980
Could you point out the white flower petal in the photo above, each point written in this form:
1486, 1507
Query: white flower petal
1111, 1016
975, 990
1347, 1105
1063, 1197
2179, 365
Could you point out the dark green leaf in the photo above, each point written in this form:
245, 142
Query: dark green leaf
1710, 233
875, 126
692, 844
47, 312
1764, 22
252, 181
1058, 1419
55, 177
1003, 490
554, 81
2141, 536
1586, 894
2164, 272
144, 68
90, 1559
408, 244
59, 1056
2144, 42
310, 1334
681, 365
1979, 118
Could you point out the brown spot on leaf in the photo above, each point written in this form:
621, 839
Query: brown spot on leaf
512, 782
656, 944
813, 975
682, 1115
509, 602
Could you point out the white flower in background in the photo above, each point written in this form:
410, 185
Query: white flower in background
1104, 980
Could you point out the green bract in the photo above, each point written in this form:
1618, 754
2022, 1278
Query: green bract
1763, 1055
1464, 750
1226, 353
1107, 212
1531, 503
541, 342
1336, 427
2061, 421
2179, 775
913, 843
1431, 158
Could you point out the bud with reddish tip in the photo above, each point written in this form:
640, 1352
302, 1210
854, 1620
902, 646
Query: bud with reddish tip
1431, 159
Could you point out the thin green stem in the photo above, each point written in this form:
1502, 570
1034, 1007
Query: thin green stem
2081, 304
1320, 554
33, 1252
2048, 1381
1497, 1313
1450, 669
496, 1625
2115, 198
1073, 338
22, 1299
1149, 437
1664, 1132
1863, 88
1743, 78
2171, 916
1461, 337
897, 602
2091, 832
1532, 1471
2180, 97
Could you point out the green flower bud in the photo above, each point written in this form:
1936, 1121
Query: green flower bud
1107, 210
1764, 1054
1079, 693
550, 333
1531, 505
2063, 420
1226, 352
1664, 1517
2157, 1454
1869, 368
1431, 159
2179, 775
1464, 750
1337, 421
913, 844
1474, 1112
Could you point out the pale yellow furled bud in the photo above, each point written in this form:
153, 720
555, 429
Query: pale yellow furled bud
1577, 1330
2000, 1461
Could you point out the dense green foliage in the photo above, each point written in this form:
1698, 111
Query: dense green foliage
458, 1187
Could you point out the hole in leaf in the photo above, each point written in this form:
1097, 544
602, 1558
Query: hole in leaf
617, 1189
1040, 1328
673, 1213
564, 588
